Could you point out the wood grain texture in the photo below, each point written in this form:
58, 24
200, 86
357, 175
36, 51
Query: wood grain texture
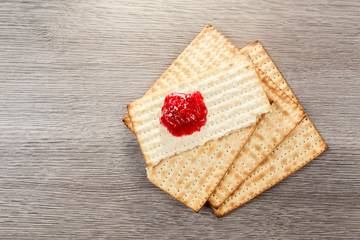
71, 169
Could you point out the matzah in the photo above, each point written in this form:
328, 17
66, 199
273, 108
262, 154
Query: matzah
209, 49
302, 145
232, 94
271, 131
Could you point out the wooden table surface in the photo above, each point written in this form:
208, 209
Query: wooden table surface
69, 168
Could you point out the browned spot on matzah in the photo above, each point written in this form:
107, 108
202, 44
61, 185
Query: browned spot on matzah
259, 136
172, 161
196, 171
252, 155
307, 134
270, 145
207, 188
259, 177
187, 185
257, 147
246, 150
179, 181
307, 145
211, 150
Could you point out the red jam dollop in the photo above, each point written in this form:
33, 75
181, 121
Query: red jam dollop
183, 114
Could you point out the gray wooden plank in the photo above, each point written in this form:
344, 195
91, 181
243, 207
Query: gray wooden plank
71, 169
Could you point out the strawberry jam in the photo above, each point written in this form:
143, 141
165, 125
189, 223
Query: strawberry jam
183, 114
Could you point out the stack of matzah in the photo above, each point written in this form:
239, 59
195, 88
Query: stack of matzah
256, 132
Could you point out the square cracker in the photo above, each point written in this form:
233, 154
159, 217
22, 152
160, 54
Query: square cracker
300, 147
192, 176
270, 132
